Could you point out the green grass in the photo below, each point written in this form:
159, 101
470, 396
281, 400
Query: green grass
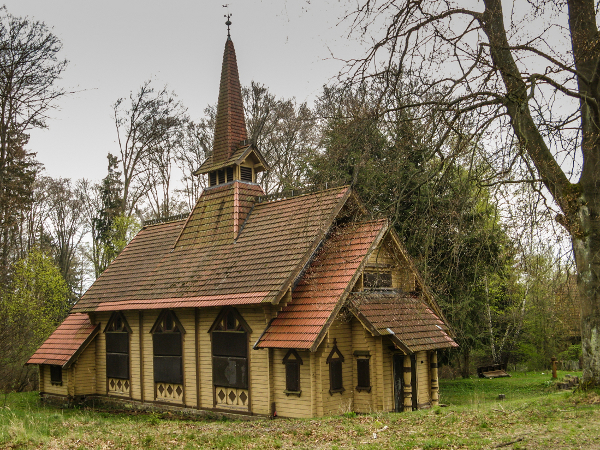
533, 416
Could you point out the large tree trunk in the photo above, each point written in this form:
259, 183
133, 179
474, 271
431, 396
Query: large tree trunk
587, 256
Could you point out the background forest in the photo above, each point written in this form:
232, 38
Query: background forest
484, 242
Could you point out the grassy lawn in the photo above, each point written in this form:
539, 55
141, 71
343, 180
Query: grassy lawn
534, 416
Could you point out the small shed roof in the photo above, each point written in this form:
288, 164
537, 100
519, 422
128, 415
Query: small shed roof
405, 317
67, 342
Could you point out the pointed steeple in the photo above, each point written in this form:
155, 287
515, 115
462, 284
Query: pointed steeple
230, 129
233, 157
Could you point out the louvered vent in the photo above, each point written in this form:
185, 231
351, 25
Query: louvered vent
212, 178
246, 173
221, 176
229, 174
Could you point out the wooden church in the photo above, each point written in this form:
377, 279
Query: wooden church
254, 304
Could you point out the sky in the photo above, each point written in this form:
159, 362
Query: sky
293, 47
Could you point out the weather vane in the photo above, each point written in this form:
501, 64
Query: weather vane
228, 23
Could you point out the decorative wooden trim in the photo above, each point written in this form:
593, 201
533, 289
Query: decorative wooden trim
238, 316
161, 316
296, 355
113, 317
296, 393
335, 350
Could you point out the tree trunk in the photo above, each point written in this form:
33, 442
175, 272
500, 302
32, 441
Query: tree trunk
587, 257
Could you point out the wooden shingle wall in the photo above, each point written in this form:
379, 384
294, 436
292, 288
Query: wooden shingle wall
402, 276
84, 371
59, 390
292, 405
423, 379
362, 340
337, 403
101, 318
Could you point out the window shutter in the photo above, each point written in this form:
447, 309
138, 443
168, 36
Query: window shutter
364, 376
292, 376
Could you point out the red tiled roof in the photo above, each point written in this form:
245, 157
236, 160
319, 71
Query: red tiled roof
321, 291
405, 318
203, 263
67, 341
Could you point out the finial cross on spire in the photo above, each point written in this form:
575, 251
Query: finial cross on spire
228, 23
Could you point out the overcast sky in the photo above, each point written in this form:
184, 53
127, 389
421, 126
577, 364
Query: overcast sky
113, 46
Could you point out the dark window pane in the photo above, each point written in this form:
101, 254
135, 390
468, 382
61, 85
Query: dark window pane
230, 372
117, 342
167, 344
364, 377
246, 173
167, 369
117, 365
227, 343
55, 374
335, 375
377, 280
292, 376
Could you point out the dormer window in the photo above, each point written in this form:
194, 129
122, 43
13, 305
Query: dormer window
377, 279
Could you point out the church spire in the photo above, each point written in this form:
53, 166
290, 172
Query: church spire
230, 128
233, 157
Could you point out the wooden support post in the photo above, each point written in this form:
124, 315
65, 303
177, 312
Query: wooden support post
407, 384
554, 363
435, 386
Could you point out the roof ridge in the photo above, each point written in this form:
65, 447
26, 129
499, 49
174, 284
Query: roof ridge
163, 220
290, 193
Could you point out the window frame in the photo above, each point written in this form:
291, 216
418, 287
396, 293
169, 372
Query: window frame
226, 362
292, 365
117, 325
336, 370
167, 357
56, 375
363, 358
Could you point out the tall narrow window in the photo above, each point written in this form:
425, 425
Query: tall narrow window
167, 346
363, 371
117, 347
229, 337
292, 361
229, 174
335, 361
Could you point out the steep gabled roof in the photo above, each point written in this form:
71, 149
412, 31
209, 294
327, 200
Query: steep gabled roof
405, 318
318, 297
238, 157
206, 263
67, 342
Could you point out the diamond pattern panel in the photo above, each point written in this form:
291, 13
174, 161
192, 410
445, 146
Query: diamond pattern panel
169, 392
118, 387
232, 398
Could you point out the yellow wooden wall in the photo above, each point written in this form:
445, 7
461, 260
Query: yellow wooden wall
292, 405
402, 276
84, 371
363, 340
344, 402
423, 379
101, 318
60, 390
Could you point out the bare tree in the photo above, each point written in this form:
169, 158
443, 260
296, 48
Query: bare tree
148, 124
532, 84
195, 147
284, 132
29, 69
